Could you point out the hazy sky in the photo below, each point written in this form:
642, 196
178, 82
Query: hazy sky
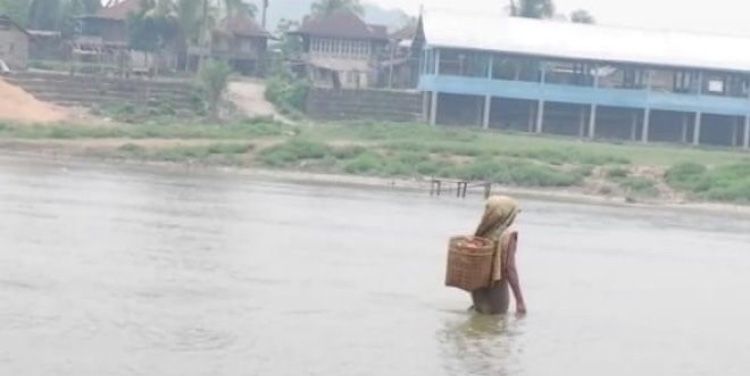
720, 16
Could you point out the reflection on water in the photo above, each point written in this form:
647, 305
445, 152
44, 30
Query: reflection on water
480, 345
109, 270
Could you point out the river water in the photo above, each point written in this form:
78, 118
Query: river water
113, 270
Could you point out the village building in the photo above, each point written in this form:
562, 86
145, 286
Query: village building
584, 80
239, 41
14, 43
340, 50
104, 38
46, 45
399, 68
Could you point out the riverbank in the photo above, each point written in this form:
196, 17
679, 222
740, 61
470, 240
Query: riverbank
407, 156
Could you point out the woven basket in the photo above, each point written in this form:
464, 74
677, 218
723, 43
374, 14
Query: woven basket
469, 268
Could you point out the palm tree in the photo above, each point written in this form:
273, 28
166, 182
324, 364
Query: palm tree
58, 14
45, 14
323, 7
582, 16
532, 8
235, 7
188, 14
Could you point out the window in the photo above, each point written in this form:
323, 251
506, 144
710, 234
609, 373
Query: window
716, 86
516, 68
683, 81
464, 63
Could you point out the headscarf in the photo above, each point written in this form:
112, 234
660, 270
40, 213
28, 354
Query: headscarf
499, 214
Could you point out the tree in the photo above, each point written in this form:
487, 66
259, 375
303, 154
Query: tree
17, 10
45, 15
58, 15
532, 8
214, 80
154, 28
582, 16
189, 20
325, 7
290, 45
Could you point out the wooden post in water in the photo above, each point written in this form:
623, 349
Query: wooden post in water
435, 187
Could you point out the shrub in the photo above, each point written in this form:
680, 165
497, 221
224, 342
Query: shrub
688, 176
213, 79
284, 91
535, 175
617, 173
639, 186
365, 163
294, 151
348, 152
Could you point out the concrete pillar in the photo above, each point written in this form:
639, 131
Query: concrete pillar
735, 131
592, 122
633, 126
532, 118
434, 108
540, 117
685, 128
426, 106
746, 139
487, 109
582, 122
437, 62
646, 125
697, 129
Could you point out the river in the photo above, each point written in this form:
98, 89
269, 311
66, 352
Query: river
122, 270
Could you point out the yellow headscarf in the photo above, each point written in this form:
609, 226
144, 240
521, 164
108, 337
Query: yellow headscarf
499, 214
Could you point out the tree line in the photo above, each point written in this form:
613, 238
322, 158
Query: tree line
545, 9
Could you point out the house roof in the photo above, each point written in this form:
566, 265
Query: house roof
44, 33
120, 11
481, 31
7, 20
243, 25
342, 24
406, 32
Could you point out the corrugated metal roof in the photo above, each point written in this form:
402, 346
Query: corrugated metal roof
243, 25
587, 42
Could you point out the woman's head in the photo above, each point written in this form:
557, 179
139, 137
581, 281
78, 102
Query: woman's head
500, 212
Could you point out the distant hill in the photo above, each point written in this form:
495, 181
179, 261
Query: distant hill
297, 9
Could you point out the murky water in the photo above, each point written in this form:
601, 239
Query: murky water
108, 270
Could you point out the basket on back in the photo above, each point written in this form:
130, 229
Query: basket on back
469, 262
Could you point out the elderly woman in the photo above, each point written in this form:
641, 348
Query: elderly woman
499, 215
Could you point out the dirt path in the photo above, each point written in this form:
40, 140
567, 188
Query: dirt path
19, 106
249, 97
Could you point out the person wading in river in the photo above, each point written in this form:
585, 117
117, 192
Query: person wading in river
499, 215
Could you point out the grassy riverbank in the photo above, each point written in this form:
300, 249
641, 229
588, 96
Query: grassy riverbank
413, 151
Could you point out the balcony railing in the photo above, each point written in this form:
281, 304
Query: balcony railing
615, 97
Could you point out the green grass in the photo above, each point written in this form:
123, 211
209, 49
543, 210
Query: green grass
639, 186
617, 172
247, 129
295, 151
547, 149
414, 150
408, 163
728, 183
221, 153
